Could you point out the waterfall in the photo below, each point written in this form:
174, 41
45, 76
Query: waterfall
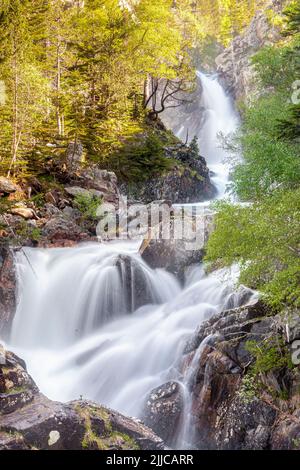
78, 338
96, 321
213, 119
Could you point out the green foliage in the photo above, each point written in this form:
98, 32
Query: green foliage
264, 236
249, 389
141, 158
270, 355
88, 205
264, 239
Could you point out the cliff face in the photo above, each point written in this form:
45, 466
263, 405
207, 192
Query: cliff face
234, 65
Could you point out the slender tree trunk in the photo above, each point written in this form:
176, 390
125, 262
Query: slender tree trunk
15, 120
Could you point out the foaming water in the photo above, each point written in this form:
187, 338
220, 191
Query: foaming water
74, 348
72, 292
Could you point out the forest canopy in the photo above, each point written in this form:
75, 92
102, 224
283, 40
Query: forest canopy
90, 71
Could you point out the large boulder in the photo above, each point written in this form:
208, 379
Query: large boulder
176, 253
28, 420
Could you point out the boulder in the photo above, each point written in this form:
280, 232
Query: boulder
77, 191
7, 186
93, 178
174, 252
61, 227
164, 409
24, 212
31, 421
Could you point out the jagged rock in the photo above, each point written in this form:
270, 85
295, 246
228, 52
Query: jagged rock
95, 179
39, 423
234, 65
61, 227
225, 415
7, 289
246, 426
163, 411
7, 186
77, 191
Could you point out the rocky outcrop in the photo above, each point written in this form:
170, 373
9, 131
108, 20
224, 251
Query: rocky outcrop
187, 181
7, 289
28, 420
177, 254
234, 65
233, 405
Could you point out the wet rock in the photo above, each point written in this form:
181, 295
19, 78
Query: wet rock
40, 423
137, 287
246, 426
7, 289
171, 255
166, 247
234, 65
163, 411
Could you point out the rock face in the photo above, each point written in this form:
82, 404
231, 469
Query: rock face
164, 410
232, 409
28, 420
7, 289
234, 65
188, 180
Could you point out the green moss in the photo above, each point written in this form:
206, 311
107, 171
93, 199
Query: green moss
16, 390
110, 438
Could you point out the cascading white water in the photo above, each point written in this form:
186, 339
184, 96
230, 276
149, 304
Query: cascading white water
73, 292
214, 118
116, 361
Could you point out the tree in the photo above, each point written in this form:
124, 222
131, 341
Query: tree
20, 23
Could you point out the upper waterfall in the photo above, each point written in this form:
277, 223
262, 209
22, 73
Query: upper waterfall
213, 118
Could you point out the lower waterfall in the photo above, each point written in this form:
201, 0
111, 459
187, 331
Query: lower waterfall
91, 345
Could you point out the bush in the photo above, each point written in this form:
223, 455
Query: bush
88, 205
264, 239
